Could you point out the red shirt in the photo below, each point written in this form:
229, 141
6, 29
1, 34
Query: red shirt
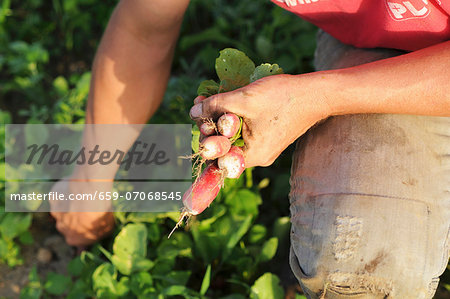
406, 25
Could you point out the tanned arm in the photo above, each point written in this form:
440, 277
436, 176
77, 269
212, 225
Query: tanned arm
278, 109
129, 78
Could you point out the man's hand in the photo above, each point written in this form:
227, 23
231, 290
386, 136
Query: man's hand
273, 117
279, 109
129, 77
81, 228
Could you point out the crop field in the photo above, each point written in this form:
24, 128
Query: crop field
237, 248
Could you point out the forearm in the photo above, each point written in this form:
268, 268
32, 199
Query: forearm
131, 68
414, 83
130, 73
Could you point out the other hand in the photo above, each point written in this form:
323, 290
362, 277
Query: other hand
276, 110
81, 226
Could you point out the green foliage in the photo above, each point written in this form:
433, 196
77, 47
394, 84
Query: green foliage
260, 29
268, 250
208, 88
264, 70
33, 290
130, 250
106, 284
267, 287
195, 143
206, 281
57, 284
47, 48
13, 227
223, 245
234, 69
71, 106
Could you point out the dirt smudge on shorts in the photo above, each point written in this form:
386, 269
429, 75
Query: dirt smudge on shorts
372, 265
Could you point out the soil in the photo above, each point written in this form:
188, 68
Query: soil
48, 252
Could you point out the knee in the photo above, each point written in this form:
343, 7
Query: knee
325, 279
340, 248
322, 277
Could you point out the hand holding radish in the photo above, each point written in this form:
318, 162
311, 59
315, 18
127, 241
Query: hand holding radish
272, 118
245, 120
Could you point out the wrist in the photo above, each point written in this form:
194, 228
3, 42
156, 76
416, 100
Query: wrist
315, 93
91, 173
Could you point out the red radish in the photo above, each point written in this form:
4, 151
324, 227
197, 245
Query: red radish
202, 193
228, 124
233, 163
208, 128
214, 147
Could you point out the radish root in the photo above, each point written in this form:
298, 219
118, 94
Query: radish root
184, 213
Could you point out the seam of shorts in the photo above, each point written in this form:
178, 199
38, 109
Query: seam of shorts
366, 195
298, 267
446, 255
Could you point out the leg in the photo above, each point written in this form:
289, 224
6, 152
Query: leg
370, 199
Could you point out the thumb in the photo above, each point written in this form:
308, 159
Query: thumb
214, 106
208, 108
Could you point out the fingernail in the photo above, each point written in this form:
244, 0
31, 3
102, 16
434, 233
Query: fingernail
196, 111
199, 99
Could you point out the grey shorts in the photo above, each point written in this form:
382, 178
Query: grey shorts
370, 198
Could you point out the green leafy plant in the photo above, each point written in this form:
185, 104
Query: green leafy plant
234, 250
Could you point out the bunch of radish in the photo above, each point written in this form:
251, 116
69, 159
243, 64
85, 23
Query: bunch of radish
223, 159
221, 147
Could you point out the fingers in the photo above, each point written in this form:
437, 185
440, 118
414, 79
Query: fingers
255, 152
199, 121
83, 229
215, 106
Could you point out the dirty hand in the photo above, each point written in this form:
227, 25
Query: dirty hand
276, 110
84, 224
